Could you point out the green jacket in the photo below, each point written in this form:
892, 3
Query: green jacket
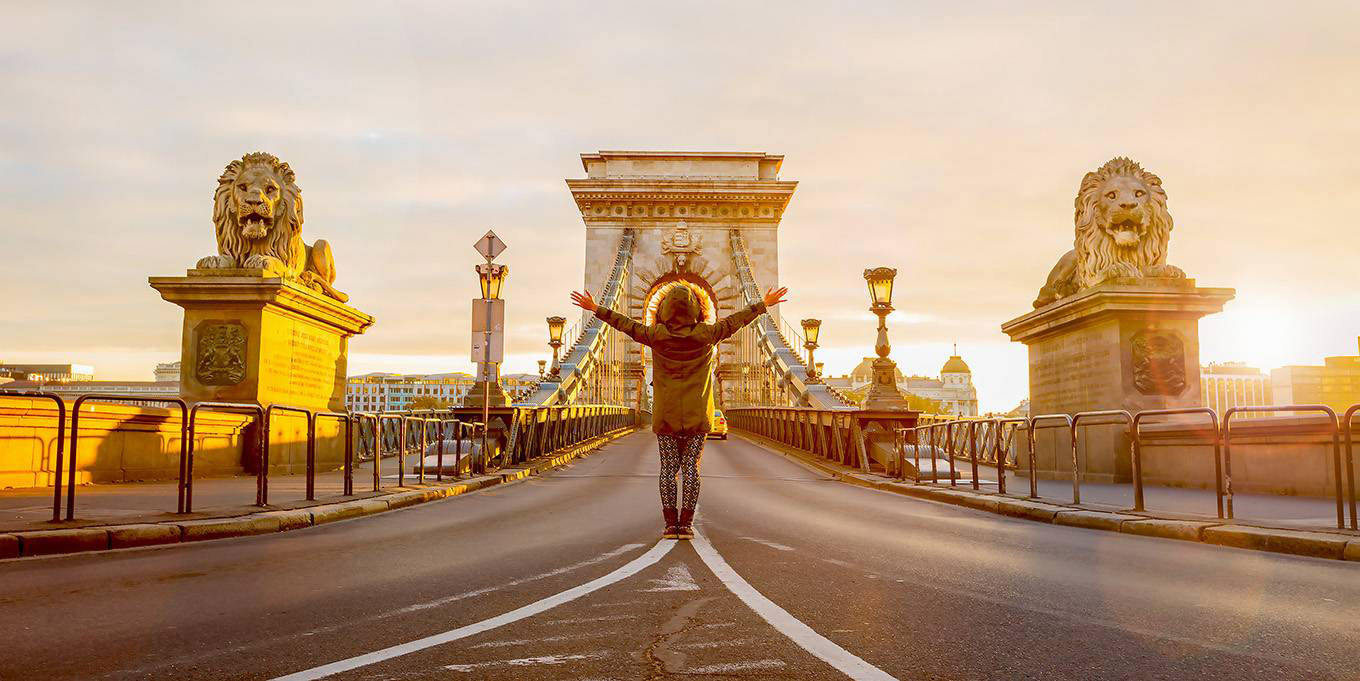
683, 358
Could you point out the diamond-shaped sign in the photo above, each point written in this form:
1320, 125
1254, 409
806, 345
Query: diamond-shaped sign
490, 245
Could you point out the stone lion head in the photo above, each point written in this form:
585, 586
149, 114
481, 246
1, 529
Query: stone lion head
1122, 224
257, 209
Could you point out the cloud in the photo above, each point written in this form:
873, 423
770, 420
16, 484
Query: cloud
944, 140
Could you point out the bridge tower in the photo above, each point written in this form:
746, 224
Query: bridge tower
686, 212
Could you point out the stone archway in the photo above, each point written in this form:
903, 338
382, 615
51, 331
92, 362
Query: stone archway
659, 288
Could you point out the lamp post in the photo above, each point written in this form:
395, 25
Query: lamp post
555, 327
488, 322
541, 364
811, 328
883, 394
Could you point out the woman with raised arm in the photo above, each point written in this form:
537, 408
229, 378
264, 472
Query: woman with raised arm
682, 385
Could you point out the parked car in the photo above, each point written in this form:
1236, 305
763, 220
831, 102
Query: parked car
719, 425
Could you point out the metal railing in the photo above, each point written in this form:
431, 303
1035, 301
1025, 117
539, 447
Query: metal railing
186, 466
117, 399
1003, 437
532, 432
1297, 408
1034, 426
61, 440
833, 434
958, 440
1076, 423
348, 485
1350, 462
1137, 453
262, 477
963, 436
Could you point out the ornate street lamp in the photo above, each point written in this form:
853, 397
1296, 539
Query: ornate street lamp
555, 327
542, 363
492, 277
811, 328
488, 319
883, 394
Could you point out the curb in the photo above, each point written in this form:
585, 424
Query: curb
1275, 540
104, 538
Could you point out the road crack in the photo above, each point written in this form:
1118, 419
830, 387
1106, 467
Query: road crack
662, 658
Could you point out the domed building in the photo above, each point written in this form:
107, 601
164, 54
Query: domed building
953, 389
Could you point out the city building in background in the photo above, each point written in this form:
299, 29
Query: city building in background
1234, 384
47, 372
1336, 383
382, 391
167, 371
953, 390
73, 389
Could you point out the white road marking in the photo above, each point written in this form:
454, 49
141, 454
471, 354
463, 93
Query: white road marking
613, 604
517, 582
546, 639
788, 625
583, 620
677, 578
728, 667
629, 569
769, 543
718, 644
524, 662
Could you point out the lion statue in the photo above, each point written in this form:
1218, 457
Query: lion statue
257, 211
1122, 230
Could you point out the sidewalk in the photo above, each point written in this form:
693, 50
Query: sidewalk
1295, 525
151, 502
1308, 513
126, 515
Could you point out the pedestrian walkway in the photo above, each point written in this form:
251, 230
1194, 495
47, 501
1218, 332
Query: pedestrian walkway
1299, 512
149, 502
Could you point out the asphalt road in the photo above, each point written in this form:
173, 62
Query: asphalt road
563, 577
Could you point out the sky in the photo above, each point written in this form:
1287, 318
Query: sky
944, 139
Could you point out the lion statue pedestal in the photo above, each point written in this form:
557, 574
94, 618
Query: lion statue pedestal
263, 323
261, 340
1115, 326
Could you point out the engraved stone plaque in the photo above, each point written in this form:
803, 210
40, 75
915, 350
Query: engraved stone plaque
221, 353
1158, 362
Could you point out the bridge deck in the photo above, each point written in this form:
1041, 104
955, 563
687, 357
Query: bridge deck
913, 588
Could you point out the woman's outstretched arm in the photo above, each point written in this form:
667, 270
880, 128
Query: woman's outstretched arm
636, 331
735, 321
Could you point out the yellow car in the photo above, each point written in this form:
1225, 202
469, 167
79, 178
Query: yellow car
719, 425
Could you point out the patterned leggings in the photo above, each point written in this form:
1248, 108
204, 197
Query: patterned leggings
680, 452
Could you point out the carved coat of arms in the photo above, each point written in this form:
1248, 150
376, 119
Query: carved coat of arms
221, 354
681, 246
1158, 363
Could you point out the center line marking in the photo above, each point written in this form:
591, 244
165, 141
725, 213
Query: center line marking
629, 569
840, 658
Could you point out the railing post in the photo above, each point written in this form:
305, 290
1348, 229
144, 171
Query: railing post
972, 447
311, 457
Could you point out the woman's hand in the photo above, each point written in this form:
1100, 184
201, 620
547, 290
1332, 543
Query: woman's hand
584, 301
775, 296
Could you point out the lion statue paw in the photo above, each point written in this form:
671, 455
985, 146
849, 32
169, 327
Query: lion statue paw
216, 262
1166, 271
